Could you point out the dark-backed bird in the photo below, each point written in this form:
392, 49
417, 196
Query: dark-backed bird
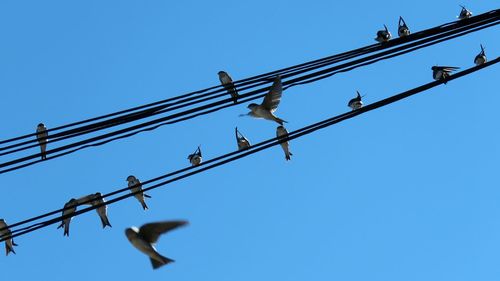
281, 132
403, 29
270, 103
135, 185
228, 84
481, 57
69, 209
464, 13
356, 102
96, 199
42, 137
195, 158
6, 234
241, 140
442, 72
383, 35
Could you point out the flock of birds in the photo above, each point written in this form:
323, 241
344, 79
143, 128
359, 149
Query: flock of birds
144, 238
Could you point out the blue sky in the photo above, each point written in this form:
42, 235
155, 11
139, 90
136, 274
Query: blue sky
407, 192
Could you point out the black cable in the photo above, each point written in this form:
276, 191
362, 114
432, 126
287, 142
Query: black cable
229, 157
302, 67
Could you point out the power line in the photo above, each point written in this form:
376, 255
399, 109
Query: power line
216, 106
230, 157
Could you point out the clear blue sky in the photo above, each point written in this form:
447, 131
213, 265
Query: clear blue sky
407, 192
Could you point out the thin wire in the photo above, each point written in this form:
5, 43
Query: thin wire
239, 154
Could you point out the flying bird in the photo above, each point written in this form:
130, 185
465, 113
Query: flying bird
356, 102
145, 238
383, 35
94, 200
135, 186
270, 103
41, 136
69, 209
281, 132
442, 72
241, 140
9, 242
481, 57
228, 84
403, 29
195, 159
464, 13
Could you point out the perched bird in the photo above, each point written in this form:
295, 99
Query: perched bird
195, 159
403, 29
145, 238
281, 132
4, 233
241, 140
94, 200
269, 104
383, 35
481, 57
135, 186
41, 136
464, 13
69, 208
442, 72
356, 102
228, 84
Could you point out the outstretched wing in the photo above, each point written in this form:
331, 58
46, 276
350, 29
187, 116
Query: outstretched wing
152, 231
273, 98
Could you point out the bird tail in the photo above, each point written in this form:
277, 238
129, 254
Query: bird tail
66, 230
144, 206
279, 120
157, 264
105, 222
9, 249
287, 156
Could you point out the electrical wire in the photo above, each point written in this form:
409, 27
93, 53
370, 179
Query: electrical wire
232, 156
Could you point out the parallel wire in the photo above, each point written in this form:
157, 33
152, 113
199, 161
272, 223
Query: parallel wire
229, 157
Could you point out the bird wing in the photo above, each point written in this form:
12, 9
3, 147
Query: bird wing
273, 98
152, 231
448, 68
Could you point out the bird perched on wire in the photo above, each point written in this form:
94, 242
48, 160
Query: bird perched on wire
481, 57
195, 159
241, 140
356, 102
41, 136
383, 35
464, 13
403, 29
281, 132
228, 84
135, 185
145, 238
94, 200
69, 209
269, 105
442, 72
6, 234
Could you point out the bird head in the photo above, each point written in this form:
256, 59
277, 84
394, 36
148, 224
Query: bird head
252, 106
41, 125
130, 178
131, 232
221, 73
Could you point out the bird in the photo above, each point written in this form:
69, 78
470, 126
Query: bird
135, 185
228, 84
241, 140
195, 159
269, 105
5, 233
69, 209
94, 200
356, 102
442, 72
464, 13
403, 29
481, 57
281, 132
145, 238
383, 35
41, 136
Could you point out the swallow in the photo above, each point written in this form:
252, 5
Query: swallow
94, 200
41, 136
281, 132
6, 234
241, 140
383, 35
69, 208
356, 102
464, 13
403, 29
228, 84
145, 238
269, 104
442, 72
481, 57
195, 159
135, 186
